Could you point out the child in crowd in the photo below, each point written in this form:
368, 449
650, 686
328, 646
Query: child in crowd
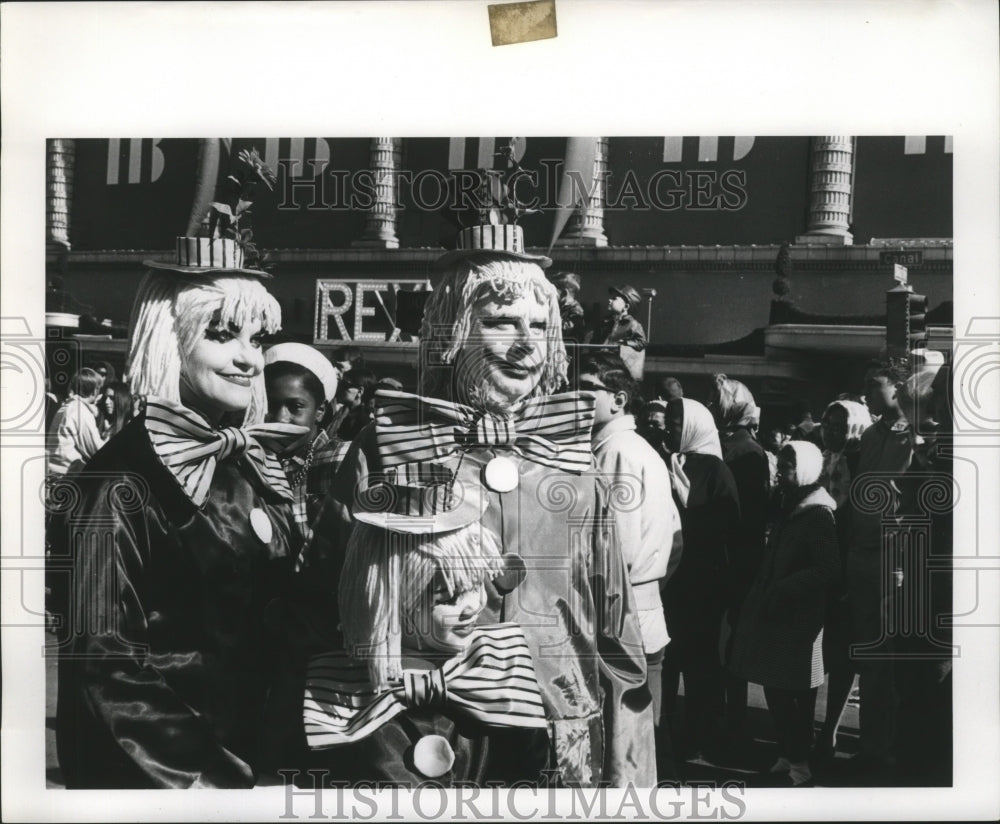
301, 384
74, 436
779, 638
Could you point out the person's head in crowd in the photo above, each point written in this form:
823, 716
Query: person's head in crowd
606, 375
731, 403
357, 388
775, 438
86, 385
652, 422
843, 424
621, 299
197, 341
690, 428
346, 358
800, 464
669, 388
567, 284
881, 387
492, 334
138, 405
301, 384
106, 372
116, 406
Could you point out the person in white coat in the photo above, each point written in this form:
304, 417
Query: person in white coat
646, 517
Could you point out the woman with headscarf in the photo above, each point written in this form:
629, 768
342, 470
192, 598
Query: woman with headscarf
841, 427
779, 640
736, 414
694, 599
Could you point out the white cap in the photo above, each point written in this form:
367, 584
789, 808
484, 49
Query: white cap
308, 358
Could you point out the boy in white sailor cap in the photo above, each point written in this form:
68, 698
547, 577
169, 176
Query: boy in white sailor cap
301, 384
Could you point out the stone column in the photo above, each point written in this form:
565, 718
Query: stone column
59, 160
586, 226
831, 180
380, 224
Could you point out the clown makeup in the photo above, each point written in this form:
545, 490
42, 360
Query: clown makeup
505, 355
451, 618
217, 375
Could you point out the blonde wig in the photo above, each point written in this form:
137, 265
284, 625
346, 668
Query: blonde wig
171, 313
386, 586
447, 321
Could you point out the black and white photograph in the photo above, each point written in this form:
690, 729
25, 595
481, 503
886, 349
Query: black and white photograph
450, 477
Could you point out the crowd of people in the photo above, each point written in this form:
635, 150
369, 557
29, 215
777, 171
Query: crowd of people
504, 575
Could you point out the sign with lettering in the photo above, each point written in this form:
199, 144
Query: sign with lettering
911, 257
366, 311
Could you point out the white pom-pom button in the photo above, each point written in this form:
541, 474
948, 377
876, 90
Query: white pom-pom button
433, 755
261, 525
500, 474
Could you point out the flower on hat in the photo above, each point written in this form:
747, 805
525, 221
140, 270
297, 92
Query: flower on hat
234, 197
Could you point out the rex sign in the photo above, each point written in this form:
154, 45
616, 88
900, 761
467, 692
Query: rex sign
369, 311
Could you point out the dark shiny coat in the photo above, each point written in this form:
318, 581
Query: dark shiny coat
164, 666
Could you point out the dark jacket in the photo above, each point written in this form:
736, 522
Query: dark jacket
623, 330
164, 667
748, 463
776, 639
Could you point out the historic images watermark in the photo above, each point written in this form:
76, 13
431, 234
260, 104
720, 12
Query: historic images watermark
433, 190
311, 795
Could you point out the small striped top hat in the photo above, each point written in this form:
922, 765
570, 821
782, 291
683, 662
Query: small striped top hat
223, 246
488, 216
484, 240
418, 499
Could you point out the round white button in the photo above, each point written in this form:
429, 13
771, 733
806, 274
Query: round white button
261, 525
500, 475
433, 755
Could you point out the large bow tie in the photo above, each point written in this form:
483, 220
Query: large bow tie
191, 449
552, 430
492, 681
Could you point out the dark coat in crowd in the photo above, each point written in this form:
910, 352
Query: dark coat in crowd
165, 668
621, 330
778, 639
708, 524
748, 463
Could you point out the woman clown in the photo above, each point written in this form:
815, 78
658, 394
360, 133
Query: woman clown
178, 536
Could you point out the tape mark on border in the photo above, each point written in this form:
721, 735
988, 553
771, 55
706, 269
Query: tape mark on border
522, 22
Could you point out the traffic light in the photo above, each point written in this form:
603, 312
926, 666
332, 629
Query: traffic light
905, 326
916, 336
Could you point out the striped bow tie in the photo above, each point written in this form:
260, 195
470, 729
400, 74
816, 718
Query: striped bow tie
492, 681
191, 449
552, 430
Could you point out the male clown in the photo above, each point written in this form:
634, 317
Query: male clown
491, 357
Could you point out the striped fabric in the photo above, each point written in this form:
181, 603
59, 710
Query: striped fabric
190, 448
492, 681
552, 430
